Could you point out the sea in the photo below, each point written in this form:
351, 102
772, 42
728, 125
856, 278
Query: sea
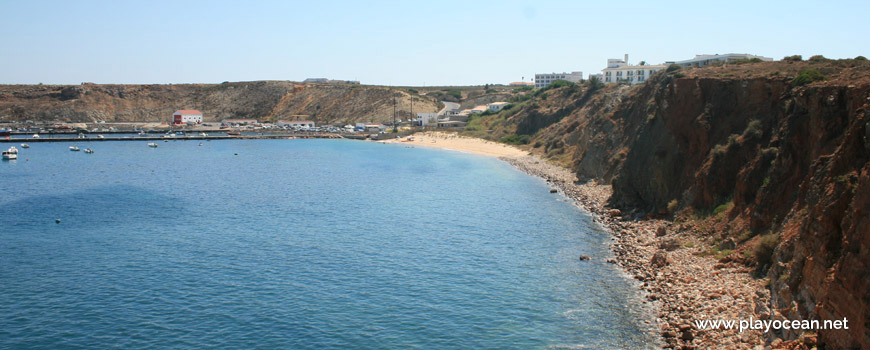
300, 244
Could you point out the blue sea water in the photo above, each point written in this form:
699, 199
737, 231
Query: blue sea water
299, 244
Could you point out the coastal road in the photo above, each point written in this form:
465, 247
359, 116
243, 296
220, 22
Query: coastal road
448, 106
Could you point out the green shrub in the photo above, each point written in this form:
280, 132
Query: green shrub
794, 58
753, 130
594, 83
722, 208
673, 67
516, 139
558, 83
807, 76
818, 58
762, 253
860, 58
455, 93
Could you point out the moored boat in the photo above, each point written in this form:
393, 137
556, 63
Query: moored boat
24, 145
10, 154
152, 145
89, 151
74, 148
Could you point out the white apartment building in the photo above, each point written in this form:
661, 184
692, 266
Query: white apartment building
704, 60
620, 71
496, 106
542, 80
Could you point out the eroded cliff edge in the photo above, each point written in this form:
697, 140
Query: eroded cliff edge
772, 171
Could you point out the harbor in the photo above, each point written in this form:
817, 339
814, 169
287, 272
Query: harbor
178, 138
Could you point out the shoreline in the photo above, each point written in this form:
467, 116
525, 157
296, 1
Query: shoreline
455, 142
681, 283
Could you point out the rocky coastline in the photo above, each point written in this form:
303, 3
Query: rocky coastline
683, 283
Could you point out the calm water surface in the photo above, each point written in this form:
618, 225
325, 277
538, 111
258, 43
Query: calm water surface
299, 244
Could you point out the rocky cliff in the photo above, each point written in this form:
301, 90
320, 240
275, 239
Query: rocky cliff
263, 100
768, 160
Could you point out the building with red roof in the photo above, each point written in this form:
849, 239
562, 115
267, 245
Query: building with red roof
184, 116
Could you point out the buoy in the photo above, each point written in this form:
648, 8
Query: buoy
56, 221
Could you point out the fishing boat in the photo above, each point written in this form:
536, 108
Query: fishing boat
152, 145
234, 133
10, 154
5, 132
89, 151
74, 148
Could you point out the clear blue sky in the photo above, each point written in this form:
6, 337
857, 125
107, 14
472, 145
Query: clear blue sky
399, 42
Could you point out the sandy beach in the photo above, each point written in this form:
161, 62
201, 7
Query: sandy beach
461, 143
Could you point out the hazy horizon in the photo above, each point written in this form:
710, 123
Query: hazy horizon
448, 43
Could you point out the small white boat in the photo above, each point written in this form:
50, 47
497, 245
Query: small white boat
74, 148
89, 151
24, 145
36, 136
10, 154
100, 136
152, 145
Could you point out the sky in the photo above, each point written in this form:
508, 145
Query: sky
402, 43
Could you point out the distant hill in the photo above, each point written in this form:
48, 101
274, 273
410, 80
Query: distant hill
262, 100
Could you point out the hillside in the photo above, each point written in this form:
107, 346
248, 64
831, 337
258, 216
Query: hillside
262, 100
768, 162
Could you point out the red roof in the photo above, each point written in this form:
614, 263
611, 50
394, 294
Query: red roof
187, 111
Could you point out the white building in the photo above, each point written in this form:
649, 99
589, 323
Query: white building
542, 80
620, 71
185, 116
704, 60
296, 124
427, 118
478, 109
599, 76
496, 106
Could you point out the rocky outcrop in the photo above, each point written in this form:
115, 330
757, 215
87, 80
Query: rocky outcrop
776, 172
262, 100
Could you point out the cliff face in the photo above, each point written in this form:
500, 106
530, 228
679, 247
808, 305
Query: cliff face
792, 162
262, 100
775, 161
